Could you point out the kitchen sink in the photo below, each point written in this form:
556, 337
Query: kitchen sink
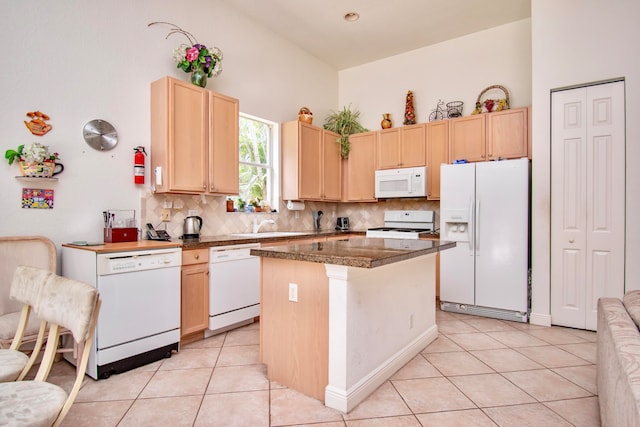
271, 234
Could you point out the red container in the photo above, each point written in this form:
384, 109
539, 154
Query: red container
116, 235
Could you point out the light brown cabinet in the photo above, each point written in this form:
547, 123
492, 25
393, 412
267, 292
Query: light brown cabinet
194, 139
467, 138
359, 169
437, 153
508, 134
490, 136
311, 163
194, 292
401, 147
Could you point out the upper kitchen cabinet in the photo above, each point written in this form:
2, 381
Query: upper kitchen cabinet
194, 139
437, 153
490, 136
507, 134
311, 163
467, 138
401, 147
359, 169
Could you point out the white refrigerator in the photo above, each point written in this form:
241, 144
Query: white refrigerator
484, 207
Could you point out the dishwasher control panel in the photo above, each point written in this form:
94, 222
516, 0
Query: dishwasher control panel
124, 262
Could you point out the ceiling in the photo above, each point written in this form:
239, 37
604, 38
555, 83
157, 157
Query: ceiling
385, 28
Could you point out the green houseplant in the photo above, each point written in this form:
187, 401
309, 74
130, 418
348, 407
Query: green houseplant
345, 123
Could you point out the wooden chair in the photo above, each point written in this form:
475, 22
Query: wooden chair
26, 286
64, 303
33, 251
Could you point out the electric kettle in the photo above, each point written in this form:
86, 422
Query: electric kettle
192, 227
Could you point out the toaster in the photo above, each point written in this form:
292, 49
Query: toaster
343, 223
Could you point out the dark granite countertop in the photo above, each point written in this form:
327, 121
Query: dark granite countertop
357, 252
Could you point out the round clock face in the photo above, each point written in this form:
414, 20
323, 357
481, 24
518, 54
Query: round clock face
100, 135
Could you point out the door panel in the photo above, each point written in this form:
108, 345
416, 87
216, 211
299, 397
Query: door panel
457, 265
587, 201
568, 199
502, 244
606, 196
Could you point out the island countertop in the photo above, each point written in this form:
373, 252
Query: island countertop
358, 252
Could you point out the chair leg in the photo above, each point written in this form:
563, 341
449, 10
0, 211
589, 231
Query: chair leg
35, 352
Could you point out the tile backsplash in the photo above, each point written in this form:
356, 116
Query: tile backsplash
217, 221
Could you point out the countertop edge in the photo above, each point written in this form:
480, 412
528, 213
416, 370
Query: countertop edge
346, 260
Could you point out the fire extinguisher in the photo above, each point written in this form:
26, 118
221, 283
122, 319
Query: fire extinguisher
138, 164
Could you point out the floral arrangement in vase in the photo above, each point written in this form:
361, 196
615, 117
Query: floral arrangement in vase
34, 159
195, 58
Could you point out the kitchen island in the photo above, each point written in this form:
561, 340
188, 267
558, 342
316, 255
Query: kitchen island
339, 318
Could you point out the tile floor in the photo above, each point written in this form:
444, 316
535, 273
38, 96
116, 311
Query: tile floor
478, 372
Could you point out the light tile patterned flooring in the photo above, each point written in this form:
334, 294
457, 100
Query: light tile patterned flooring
478, 372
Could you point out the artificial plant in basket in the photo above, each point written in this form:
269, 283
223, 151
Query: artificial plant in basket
345, 123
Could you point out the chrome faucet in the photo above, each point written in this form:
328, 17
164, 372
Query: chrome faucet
256, 226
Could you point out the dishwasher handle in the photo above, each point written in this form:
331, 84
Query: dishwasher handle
227, 255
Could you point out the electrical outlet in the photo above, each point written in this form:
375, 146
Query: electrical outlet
293, 292
165, 215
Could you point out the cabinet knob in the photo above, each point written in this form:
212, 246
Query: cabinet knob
571, 240
490, 155
197, 257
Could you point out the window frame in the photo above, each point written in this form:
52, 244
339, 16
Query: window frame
273, 159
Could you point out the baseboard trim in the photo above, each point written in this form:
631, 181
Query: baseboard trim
540, 319
346, 400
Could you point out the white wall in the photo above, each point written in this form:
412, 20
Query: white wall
455, 70
576, 42
81, 60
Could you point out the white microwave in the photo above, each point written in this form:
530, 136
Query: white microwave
405, 182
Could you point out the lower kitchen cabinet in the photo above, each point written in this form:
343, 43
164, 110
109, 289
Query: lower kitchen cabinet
194, 294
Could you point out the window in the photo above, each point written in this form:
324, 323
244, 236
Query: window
257, 163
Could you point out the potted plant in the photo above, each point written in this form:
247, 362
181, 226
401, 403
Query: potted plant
345, 123
257, 204
34, 160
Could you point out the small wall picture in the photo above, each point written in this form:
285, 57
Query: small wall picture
33, 198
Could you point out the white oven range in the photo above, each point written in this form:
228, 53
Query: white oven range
405, 224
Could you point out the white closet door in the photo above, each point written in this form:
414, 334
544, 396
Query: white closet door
605, 196
587, 201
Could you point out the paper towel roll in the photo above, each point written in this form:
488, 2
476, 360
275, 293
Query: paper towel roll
295, 206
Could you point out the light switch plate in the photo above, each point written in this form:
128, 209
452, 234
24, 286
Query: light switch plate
293, 292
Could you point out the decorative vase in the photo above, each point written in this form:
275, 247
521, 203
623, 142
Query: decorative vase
199, 77
39, 170
386, 121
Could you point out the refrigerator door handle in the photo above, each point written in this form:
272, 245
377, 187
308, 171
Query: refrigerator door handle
477, 225
470, 227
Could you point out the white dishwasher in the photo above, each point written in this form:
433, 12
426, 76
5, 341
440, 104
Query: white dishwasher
234, 285
139, 321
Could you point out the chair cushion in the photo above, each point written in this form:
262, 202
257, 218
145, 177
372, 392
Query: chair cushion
631, 301
9, 324
12, 362
32, 403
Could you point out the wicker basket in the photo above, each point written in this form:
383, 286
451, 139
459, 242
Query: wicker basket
492, 104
